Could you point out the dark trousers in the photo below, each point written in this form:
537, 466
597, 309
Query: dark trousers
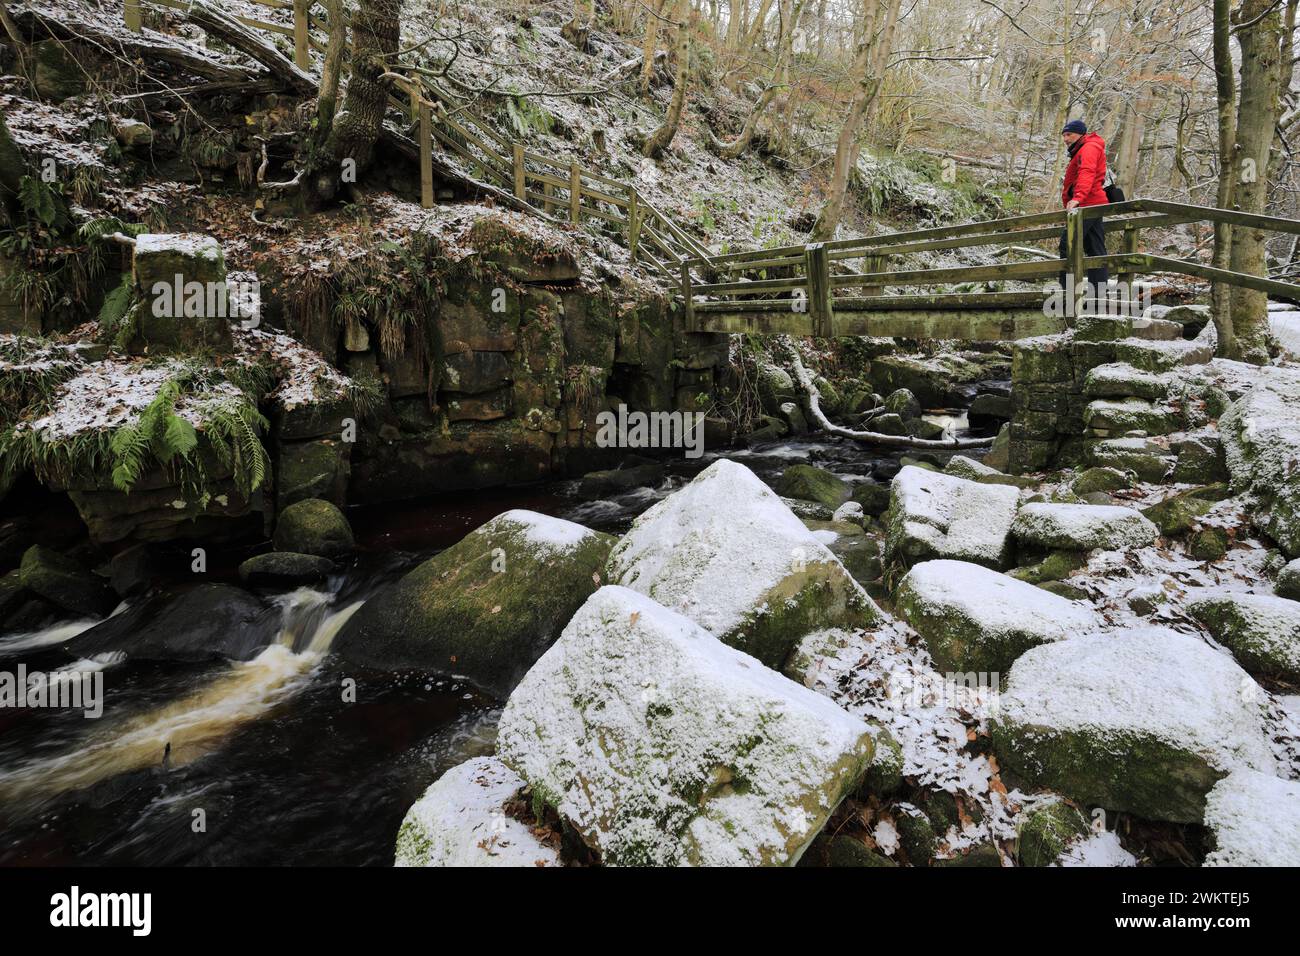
1094, 244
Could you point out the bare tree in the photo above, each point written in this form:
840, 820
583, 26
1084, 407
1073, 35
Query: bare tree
659, 140
879, 18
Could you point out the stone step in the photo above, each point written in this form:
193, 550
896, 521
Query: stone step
1157, 330
1121, 380
1108, 417
1158, 356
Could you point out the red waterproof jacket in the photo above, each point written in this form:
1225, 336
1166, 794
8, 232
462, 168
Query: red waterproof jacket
1086, 171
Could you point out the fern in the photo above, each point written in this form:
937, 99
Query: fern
159, 433
233, 429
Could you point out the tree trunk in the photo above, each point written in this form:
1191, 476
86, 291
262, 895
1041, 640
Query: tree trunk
12, 169
873, 49
1226, 104
648, 45
780, 76
376, 35
661, 138
1256, 125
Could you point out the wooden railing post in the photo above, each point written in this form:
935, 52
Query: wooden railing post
687, 301
1126, 279
425, 109
575, 192
301, 35
1074, 248
521, 192
131, 14
874, 264
817, 269
633, 221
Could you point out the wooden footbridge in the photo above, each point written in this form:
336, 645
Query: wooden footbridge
843, 287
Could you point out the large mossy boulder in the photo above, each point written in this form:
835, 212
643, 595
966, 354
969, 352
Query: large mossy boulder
487, 607
202, 623
1072, 527
1287, 584
1262, 631
974, 619
933, 515
65, 582
727, 553
462, 820
810, 483
1254, 820
1261, 441
313, 526
660, 745
1143, 721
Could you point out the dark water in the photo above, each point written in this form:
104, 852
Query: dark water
270, 763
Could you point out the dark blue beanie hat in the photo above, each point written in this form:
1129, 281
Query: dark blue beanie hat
1075, 126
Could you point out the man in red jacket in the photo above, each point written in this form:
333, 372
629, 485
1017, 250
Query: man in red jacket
1083, 187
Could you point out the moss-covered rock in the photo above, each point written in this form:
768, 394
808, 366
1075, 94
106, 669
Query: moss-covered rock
884, 776
1178, 514
1262, 631
476, 609
775, 387
811, 483
182, 279
1100, 478
873, 496
1118, 380
1149, 460
1117, 416
1200, 461
728, 554
1287, 584
1261, 439
1079, 527
986, 854
903, 403
1121, 720
284, 569
1057, 566
312, 469
65, 582
313, 526
1045, 831
972, 470
1208, 544
933, 515
915, 834
974, 619
660, 745
846, 851
462, 820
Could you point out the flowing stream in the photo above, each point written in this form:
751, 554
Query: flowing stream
275, 760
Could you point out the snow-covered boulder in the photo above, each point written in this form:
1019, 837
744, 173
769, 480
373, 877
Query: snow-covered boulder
1149, 460
1145, 721
933, 515
1254, 819
727, 553
1261, 440
661, 745
487, 607
1070, 527
1262, 631
461, 821
974, 619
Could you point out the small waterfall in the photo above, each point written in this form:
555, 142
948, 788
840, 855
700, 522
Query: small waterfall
198, 722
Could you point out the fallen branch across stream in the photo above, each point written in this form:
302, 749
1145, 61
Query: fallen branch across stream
813, 408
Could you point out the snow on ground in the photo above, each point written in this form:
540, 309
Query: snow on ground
1099, 848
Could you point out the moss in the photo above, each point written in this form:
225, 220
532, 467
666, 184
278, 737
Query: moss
1045, 831
917, 836
1130, 772
1100, 478
809, 483
884, 776
1178, 514
313, 526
